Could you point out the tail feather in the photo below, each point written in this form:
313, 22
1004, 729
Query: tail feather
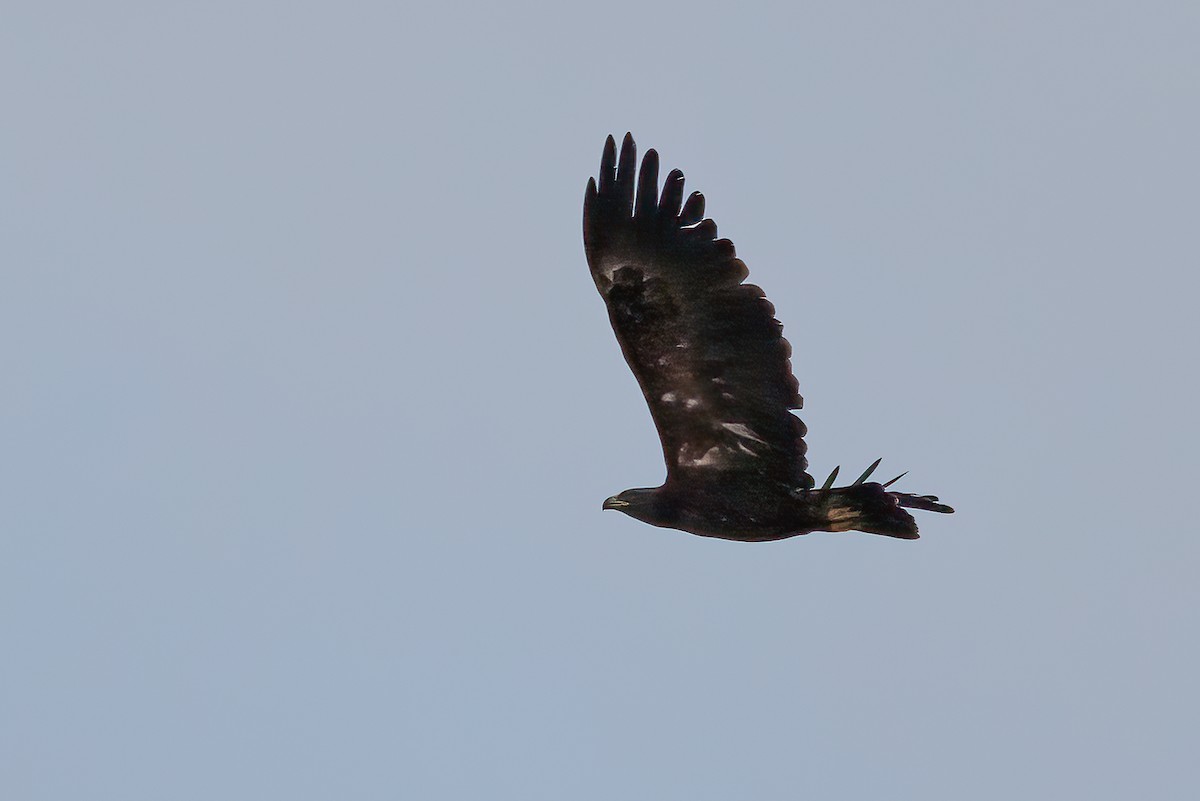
871, 508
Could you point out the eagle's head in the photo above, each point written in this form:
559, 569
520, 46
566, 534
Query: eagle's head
647, 505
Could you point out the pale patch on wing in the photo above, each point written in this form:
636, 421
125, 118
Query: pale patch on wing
712, 457
673, 397
745, 432
716, 456
724, 454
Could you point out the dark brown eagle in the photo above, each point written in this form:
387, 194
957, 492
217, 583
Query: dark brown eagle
715, 370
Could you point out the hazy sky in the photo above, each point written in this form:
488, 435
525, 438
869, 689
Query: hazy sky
309, 403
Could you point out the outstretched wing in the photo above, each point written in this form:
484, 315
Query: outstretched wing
706, 349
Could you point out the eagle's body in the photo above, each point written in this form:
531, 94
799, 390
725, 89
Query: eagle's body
715, 371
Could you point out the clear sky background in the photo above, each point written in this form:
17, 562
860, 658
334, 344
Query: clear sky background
309, 403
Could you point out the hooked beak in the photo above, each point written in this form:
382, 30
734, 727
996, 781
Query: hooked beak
614, 503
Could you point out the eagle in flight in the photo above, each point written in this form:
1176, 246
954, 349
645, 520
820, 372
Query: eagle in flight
715, 370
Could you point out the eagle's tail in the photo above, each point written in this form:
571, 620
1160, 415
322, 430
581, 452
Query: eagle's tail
871, 507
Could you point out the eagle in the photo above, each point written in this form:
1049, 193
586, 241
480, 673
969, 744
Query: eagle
715, 370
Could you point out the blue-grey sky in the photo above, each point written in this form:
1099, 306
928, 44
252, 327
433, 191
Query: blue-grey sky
309, 403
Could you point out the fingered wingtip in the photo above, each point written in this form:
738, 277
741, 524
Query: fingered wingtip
628, 151
829, 481
867, 473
